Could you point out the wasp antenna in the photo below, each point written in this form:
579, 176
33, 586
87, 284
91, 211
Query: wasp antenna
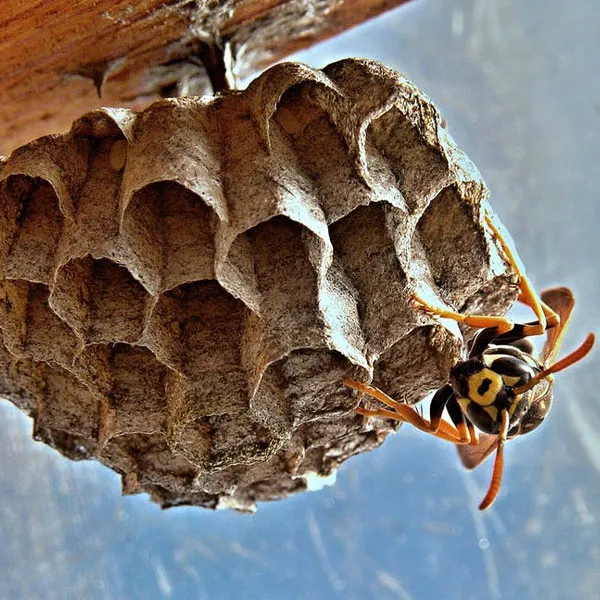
560, 365
575, 356
496, 481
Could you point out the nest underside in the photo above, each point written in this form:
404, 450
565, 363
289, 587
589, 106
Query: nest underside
183, 289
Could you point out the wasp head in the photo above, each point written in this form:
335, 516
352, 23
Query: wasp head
484, 386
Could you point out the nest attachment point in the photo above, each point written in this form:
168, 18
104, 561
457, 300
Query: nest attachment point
183, 289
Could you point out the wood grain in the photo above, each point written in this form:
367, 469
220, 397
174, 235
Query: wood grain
61, 58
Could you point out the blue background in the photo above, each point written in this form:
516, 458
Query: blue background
518, 84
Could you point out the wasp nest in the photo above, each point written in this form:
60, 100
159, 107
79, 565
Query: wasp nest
183, 289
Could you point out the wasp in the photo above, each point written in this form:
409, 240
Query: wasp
502, 388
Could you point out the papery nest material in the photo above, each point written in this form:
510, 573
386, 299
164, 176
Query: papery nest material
183, 289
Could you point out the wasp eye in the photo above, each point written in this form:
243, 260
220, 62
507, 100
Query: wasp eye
514, 371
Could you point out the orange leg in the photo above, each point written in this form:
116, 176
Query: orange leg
527, 294
546, 317
479, 321
473, 434
404, 413
552, 319
496, 481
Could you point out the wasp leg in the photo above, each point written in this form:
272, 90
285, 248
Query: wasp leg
402, 412
552, 318
461, 422
485, 337
544, 314
438, 404
473, 433
445, 398
490, 335
496, 480
500, 324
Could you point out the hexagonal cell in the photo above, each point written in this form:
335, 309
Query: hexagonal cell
365, 251
447, 230
21, 380
417, 364
73, 447
150, 461
31, 328
297, 110
68, 406
420, 170
318, 144
310, 387
186, 135
168, 499
221, 441
288, 286
97, 203
328, 442
138, 394
196, 330
268, 183
31, 225
100, 300
170, 232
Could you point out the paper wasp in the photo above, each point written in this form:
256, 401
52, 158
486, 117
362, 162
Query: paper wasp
501, 388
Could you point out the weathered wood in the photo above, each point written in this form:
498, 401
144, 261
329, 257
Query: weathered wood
57, 57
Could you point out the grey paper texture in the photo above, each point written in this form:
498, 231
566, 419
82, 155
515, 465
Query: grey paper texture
183, 289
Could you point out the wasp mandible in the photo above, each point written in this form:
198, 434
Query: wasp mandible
501, 388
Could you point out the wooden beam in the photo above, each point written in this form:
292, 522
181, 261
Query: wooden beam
60, 58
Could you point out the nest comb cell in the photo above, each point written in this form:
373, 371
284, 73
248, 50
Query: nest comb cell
183, 288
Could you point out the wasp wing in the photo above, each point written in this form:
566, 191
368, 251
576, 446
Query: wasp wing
473, 456
561, 301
